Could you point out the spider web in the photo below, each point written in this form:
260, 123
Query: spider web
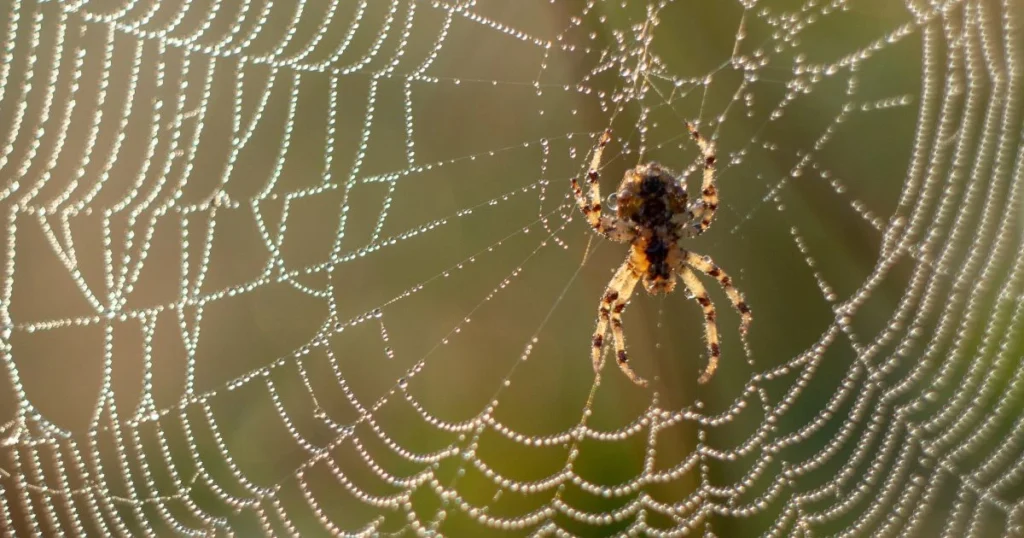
313, 268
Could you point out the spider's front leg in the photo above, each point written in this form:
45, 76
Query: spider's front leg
708, 266
610, 311
590, 202
694, 286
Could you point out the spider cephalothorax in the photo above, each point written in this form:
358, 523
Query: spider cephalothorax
654, 216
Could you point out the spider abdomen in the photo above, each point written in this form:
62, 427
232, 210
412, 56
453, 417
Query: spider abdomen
653, 212
650, 196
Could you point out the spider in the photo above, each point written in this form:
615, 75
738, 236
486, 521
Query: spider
654, 217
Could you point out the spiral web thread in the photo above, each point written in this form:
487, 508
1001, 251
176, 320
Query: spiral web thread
920, 435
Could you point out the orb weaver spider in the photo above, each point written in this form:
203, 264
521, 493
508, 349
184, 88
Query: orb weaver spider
654, 216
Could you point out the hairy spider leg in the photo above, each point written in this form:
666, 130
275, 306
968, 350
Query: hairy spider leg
590, 202
708, 266
710, 328
708, 190
604, 308
620, 338
610, 311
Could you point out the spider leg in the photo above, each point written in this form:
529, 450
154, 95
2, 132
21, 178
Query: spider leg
709, 192
611, 294
620, 338
610, 311
590, 202
710, 328
708, 266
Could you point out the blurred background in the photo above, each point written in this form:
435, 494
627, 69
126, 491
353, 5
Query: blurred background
314, 268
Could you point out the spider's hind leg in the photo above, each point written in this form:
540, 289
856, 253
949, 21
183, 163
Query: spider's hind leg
589, 201
708, 190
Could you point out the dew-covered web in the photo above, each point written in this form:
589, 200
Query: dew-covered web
314, 268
